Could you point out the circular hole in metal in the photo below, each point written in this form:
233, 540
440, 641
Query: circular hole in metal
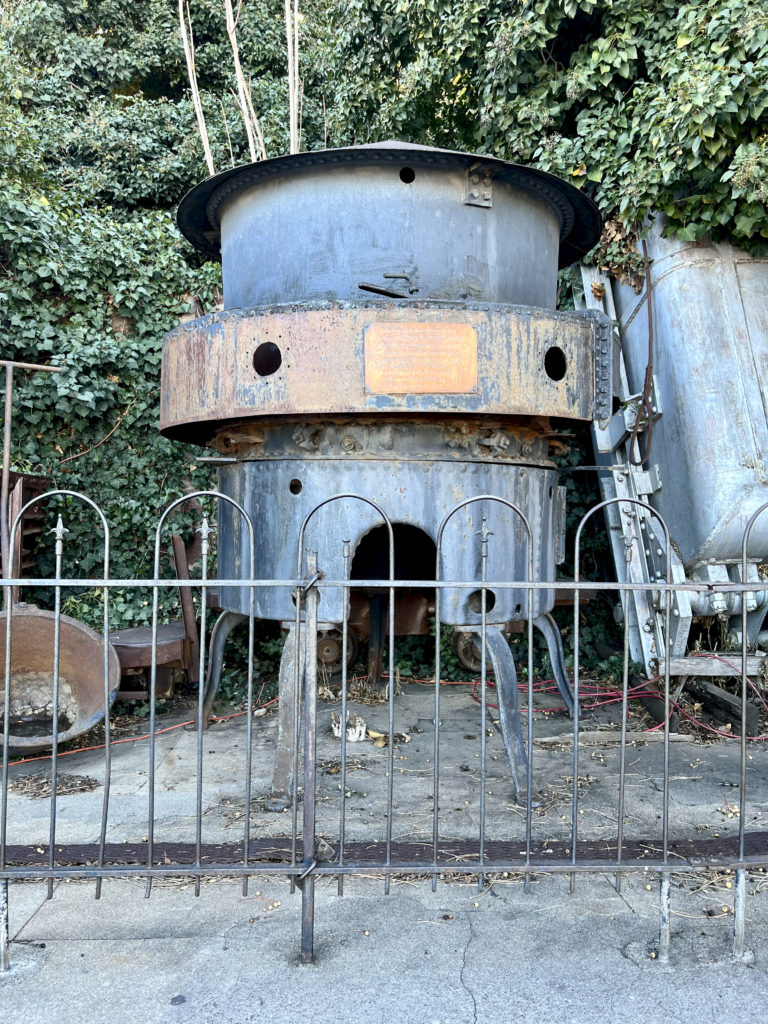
475, 601
295, 486
555, 363
267, 359
407, 175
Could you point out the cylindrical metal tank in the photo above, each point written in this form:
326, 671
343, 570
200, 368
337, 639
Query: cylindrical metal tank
710, 308
389, 332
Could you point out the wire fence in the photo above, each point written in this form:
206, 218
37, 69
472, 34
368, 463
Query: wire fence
518, 809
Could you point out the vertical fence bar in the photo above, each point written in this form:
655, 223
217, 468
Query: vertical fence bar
311, 656
391, 717
7, 540
667, 656
204, 531
576, 710
529, 598
152, 695
58, 532
739, 896
107, 723
310, 758
300, 659
484, 534
436, 750
347, 555
249, 723
622, 752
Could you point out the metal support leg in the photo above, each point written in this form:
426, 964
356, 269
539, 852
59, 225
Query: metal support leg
225, 623
549, 630
282, 776
509, 710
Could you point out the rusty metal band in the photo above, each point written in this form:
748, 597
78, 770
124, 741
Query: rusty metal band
386, 358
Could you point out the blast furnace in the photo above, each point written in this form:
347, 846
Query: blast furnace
389, 330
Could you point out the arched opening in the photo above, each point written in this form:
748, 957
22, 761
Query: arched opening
415, 553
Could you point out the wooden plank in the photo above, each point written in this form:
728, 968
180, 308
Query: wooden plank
725, 664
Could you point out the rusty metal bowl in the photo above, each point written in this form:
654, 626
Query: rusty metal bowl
81, 678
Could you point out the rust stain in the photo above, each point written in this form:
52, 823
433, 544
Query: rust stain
420, 358
344, 361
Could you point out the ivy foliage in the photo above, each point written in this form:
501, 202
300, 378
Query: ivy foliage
98, 143
650, 107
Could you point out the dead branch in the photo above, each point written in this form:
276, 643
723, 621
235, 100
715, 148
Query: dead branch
185, 30
250, 121
294, 85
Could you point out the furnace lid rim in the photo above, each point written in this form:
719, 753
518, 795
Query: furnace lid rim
198, 220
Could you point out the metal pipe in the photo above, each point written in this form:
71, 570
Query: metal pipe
31, 366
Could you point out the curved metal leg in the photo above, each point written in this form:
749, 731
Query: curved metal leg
289, 680
509, 710
548, 628
225, 623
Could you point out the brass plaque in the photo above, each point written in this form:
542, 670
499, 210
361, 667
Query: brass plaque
420, 359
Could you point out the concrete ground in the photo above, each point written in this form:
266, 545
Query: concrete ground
452, 955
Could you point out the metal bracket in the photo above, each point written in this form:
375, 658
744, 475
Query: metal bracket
478, 186
603, 329
631, 407
639, 554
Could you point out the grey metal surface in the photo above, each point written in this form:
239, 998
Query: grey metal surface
711, 364
278, 495
459, 225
